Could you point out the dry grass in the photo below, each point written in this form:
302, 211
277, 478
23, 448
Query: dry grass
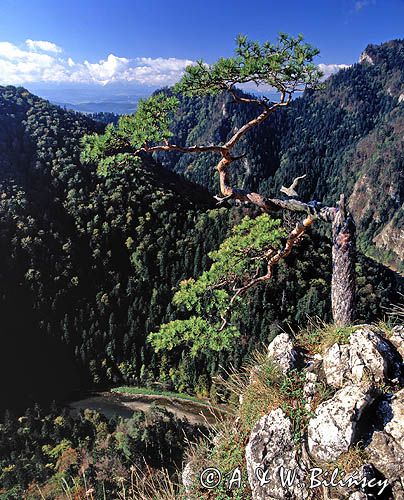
150, 484
348, 462
262, 387
252, 389
224, 449
396, 311
318, 336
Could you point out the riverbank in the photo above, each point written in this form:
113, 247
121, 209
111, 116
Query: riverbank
117, 403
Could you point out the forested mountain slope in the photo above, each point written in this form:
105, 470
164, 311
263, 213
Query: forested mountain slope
88, 265
346, 138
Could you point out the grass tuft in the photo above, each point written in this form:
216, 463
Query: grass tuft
318, 336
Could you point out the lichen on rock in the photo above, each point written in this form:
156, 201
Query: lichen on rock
332, 430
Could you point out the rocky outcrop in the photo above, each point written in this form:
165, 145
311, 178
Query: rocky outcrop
358, 412
270, 454
332, 430
365, 58
336, 365
368, 357
387, 447
343, 412
282, 352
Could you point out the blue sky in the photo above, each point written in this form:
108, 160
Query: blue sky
148, 42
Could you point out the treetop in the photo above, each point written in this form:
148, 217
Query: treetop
286, 65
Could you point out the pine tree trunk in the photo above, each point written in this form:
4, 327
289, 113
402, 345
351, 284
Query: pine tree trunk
343, 268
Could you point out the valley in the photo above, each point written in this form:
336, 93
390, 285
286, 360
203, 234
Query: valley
109, 277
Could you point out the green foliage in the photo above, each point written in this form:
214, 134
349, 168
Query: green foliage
150, 123
286, 66
104, 151
236, 262
238, 256
294, 402
115, 147
148, 391
196, 333
88, 262
48, 448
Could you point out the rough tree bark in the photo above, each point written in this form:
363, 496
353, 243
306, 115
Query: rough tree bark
343, 284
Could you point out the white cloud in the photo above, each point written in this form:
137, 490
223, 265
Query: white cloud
42, 45
21, 66
40, 61
361, 4
330, 69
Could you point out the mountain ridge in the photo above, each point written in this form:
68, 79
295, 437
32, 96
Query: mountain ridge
346, 138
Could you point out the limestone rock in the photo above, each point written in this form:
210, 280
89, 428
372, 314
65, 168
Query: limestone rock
368, 357
336, 365
366, 58
333, 428
270, 451
358, 495
387, 447
397, 339
282, 352
309, 388
370, 354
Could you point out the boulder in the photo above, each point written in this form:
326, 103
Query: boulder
367, 357
333, 428
282, 352
386, 449
271, 452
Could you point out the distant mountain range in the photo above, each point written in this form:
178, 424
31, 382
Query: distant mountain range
111, 98
117, 107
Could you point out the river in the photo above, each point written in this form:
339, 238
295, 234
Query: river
112, 404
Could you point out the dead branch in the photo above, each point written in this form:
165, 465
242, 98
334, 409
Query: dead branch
291, 190
181, 149
314, 209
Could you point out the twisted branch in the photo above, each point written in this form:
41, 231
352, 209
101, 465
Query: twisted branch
293, 238
313, 210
